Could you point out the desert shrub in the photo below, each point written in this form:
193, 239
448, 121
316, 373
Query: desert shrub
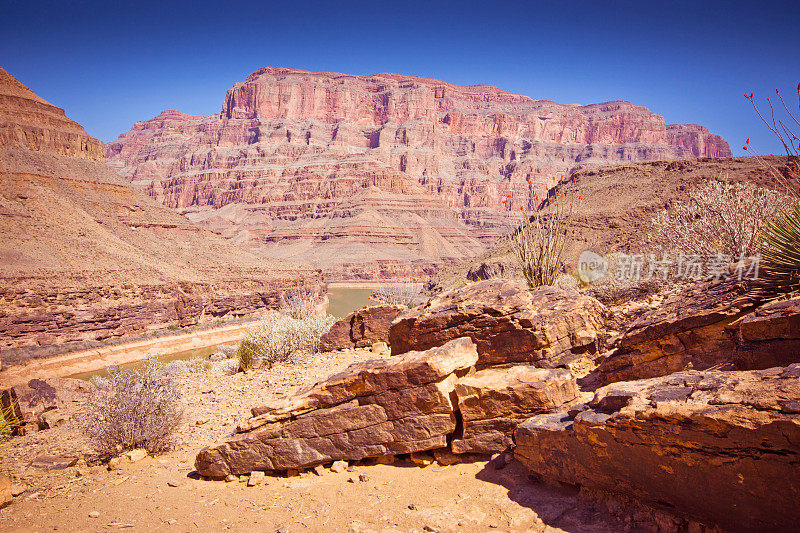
616, 286
538, 243
195, 365
227, 366
301, 302
246, 353
567, 282
134, 409
719, 218
278, 337
780, 253
406, 292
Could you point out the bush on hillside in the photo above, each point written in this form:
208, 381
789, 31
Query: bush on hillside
719, 218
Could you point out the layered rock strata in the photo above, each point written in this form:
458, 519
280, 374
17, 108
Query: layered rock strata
705, 325
722, 448
84, 255
492, 402
546, 327
361, 328
404, 404
348, 171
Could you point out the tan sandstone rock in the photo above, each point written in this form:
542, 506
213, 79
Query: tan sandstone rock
546, 327
375, 408
722, 448
361, 328
492, 402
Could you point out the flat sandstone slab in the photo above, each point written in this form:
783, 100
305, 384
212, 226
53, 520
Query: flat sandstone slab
722, 448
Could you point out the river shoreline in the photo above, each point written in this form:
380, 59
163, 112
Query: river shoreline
99, 358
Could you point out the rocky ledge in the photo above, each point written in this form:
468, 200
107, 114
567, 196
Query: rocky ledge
722, 448
546, 327
415, 402
710, 324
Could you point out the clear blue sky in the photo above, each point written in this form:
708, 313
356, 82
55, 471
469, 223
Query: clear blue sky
110, 64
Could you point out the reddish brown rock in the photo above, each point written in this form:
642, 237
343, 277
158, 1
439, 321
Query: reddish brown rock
32, 405
546, 327
706, 325
347, 171
376, 408
361, 328
492, 402
721, 448
85, 256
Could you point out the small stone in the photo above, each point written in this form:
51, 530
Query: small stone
379, 347
135, 455
292, 472
351, 480
174, 483
339, 466
421, 459
318, 470
501, 460
363, 477
445, 457
256, 478
17, 490
412, 506
231, 477
114, 463
427, 528
94, 514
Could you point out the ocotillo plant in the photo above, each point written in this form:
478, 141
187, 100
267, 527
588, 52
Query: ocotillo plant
539, 241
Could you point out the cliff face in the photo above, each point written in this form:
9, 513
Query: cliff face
83, 255
355, 173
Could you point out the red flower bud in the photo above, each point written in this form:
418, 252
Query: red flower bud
747, 141
744, 147
776, 91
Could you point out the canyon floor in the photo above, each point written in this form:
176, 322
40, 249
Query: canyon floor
161, 493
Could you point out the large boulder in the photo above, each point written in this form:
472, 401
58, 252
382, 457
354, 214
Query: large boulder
705, 325
493, 401
375, 408
546, 327
361, 328
722, 448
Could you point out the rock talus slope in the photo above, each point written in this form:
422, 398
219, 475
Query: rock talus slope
84, 255
363, 174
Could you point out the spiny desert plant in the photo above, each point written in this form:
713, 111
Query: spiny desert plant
277, 337
539, 241
784, 130
134, 409
780, 255
406, 292
719, 218
8, 421
300, 301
